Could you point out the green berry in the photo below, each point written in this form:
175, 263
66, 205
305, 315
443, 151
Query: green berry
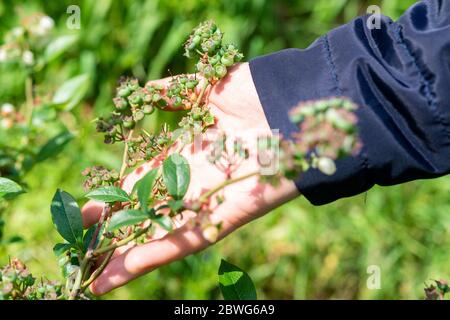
120, 103
133, 84
148, 109
227, 60
208, 71
238, 57
192, 84
147, 98
217, 40
156, 97
124, 92
220, 71
214, 59
129, 123
200, 66
114, 175
95, 180
183, 80
209, 46
176, 90
177, 102
136, 100
196, 206
196, 114
138, 115
196, 40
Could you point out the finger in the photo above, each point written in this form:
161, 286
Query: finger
117, 253
144, 258
91, 213
174, 246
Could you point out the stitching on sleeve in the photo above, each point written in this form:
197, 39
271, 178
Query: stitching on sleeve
331, 65
362, 157
428, 91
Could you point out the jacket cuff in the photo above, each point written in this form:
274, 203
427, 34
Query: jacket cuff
284, 79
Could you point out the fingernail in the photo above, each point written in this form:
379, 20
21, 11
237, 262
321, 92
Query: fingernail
97, 289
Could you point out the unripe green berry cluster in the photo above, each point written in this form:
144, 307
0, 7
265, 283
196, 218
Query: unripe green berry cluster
17, 283
197, 120
99, 176
154, 97
215, 57
327, 127
327, 132
147, 146
336, 111
438, 291
132, 103
181, 91
111, 127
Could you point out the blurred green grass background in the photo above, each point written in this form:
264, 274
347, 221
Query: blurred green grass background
298, 251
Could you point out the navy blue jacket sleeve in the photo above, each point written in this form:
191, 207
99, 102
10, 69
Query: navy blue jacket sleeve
399, 75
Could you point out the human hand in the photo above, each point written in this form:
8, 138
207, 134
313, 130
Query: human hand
235, 104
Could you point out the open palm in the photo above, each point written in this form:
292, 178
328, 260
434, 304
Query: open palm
235, 104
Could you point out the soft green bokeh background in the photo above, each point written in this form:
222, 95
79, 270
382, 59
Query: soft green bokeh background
298, 251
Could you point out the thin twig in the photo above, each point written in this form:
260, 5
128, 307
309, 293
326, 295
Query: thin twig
222, 185
202, 93
98, 271
121, 242
125, 155
76, 286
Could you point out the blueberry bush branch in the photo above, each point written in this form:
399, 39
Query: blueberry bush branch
327, 133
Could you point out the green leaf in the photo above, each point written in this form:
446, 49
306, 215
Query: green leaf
42, 114
60, 248
162, 220
108, 194
71, 92
58, 46
126, 218
9, 188
144, 187
175, 205
176, 175
235, 284
66, 216
87, 238
54, 146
